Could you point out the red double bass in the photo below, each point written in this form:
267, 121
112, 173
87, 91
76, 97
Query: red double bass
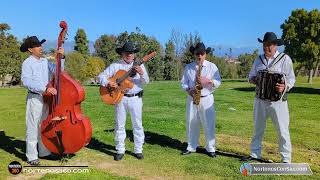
66, 130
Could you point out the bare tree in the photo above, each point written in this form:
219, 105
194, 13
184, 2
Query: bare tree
177, 38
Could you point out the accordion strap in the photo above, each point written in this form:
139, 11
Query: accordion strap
275, 61
278, 58
263, 61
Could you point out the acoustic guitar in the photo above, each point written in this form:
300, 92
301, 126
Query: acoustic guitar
113, 96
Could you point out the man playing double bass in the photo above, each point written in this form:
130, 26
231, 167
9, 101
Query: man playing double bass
35, 76
132, 100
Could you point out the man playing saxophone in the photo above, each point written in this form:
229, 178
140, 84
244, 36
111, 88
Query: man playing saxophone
199, 80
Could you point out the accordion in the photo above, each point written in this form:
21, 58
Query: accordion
266, 82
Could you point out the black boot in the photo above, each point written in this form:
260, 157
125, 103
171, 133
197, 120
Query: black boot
139, 156
185, 152
212, 154
118, 157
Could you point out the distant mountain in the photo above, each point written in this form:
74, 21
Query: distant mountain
219, 50
68, 46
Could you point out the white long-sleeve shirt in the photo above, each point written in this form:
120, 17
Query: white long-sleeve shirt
137, 80
283, 66
209, 70
35, 73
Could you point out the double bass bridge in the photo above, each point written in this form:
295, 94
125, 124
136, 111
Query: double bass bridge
59, 118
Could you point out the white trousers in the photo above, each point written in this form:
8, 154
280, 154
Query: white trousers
203, 113
36, 112
279, 113
134, 106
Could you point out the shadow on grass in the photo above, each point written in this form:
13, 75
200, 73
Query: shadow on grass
298, 90
158, 139
166, 141
13, 146
234, 80
18, 147
98, 145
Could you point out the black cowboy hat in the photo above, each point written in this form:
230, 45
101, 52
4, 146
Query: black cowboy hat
128, 47
199, 48
31, 42
272, 38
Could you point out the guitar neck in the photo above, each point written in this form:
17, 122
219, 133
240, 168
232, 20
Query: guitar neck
126, 75
137, 62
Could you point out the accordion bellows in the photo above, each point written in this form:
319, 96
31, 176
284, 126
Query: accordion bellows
266, 85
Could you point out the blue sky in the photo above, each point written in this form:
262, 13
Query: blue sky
235, 23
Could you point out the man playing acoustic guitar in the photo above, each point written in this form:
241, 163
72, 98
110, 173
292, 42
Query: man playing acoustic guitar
132, 100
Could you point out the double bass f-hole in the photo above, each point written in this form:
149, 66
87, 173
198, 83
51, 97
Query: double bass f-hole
70, 117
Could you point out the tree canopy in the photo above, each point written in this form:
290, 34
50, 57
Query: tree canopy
301, 34
81, 42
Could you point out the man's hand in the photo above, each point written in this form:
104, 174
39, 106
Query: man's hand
253, 80
280, 87
206, 82
61, 51
190, 92
113, 84
138, 69
51, 90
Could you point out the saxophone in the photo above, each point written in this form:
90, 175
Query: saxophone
198, 86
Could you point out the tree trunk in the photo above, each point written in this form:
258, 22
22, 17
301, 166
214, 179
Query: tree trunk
310, 76
2, 80
316, 72
297, 70
10, 83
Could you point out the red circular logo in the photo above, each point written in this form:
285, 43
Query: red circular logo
15, 167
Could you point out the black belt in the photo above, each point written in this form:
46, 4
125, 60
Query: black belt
33, 92
140, 94
206, 95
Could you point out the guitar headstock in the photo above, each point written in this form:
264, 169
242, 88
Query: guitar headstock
149, 56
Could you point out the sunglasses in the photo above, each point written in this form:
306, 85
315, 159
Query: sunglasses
200, 53
128, 52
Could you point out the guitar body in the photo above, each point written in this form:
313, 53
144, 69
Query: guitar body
113, 96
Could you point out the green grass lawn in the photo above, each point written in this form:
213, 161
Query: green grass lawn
164, 124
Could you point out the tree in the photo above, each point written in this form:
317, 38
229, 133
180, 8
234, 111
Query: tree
301, 34
81, 42
177, 39
246, 61
190, 40
93, 68
75, 66
4, 27
220, 63
10, 56
169, 71
147, 45
105, 48
154, 66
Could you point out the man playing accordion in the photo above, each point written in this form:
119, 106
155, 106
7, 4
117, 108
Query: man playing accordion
273, 75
